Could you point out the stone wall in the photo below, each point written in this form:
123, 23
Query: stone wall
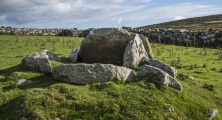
44, 32
211, 38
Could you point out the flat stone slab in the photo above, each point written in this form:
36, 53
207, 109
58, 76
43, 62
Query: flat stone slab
90, 73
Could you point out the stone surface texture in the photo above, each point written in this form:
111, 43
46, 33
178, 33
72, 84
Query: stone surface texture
74, 55
91, 73
134, 52
213, 113
105, 45
51, 56
164, 77
37, 61
165, 67
23, 82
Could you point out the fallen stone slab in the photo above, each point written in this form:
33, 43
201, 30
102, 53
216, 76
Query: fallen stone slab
164, 78
163, 66
90, 73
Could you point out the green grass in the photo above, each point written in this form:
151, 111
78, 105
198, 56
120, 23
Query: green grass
47, 98
212, 22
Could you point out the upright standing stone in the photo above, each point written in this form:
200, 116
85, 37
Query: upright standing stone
134, 52
74, 56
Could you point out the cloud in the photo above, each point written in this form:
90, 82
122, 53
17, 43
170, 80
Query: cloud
122, 21
169, 12
59, 12
110, 1
179, 17
142, 1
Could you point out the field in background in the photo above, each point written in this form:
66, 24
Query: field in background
204, 23
46, 98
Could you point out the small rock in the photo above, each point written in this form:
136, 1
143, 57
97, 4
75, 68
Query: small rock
37, 61
51, 56
171, 109
213, 113
56, 119
23, 118
191, 77
23, 82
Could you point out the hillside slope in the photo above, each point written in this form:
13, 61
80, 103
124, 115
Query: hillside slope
193, 24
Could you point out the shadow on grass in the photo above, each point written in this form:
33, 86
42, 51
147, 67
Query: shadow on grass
15, 110
42, 81
8, 71
39, 80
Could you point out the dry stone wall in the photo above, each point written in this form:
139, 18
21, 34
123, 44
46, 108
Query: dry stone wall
210, 38
45, 32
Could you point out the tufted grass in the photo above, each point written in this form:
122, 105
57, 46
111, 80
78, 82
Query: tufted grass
47, 98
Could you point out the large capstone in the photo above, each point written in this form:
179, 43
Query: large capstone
37, 61
90, 73
105, 45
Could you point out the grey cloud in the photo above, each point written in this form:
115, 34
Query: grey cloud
59, 11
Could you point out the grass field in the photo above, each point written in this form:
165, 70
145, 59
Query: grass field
47, 98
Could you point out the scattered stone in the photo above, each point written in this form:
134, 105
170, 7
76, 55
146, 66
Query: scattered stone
51, 56
134, 53
191, 78
90, 73
165, 67
164, 77
23, 118
74, 56
213, 113
37, 61
105, 45
23, 82
171, 109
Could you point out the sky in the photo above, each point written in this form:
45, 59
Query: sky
84, 14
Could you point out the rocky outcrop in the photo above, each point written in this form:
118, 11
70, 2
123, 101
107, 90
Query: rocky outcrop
105, 45
37, 61
91, 73
163, 66
74, 56
164, 78
136, 51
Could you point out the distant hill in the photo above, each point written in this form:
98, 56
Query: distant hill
193, 24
